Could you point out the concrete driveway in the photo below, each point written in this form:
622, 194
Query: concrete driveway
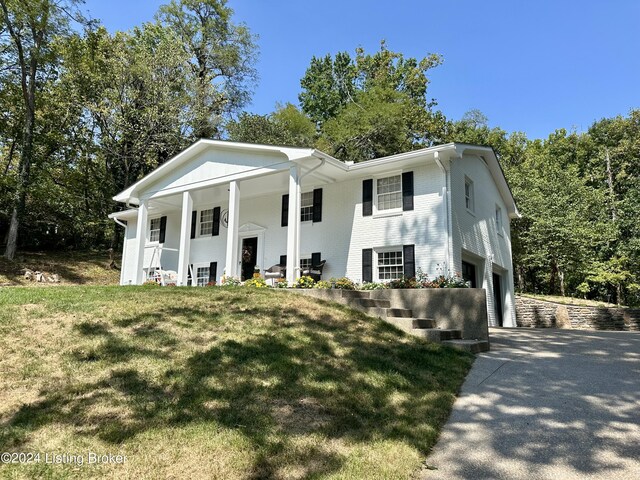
546, 404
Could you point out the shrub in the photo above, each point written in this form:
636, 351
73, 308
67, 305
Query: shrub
230, 281
322, 284
373, 286
256, 282
151, 283
404, 282
282, 283
343, 283
304, 282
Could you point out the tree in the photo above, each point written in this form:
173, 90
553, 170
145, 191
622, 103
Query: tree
28, 30
371, 105
286, 126
220, 57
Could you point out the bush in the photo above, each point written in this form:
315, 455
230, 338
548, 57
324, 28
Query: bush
322, 284
404, 282
373, 286
256, 282
304, 282
151, 283
230, 281
343, 283
282, 283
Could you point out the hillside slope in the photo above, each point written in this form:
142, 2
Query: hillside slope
215, 383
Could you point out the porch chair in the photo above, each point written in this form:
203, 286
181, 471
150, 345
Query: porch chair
315, 271
275, 271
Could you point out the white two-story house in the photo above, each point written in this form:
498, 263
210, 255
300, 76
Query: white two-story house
226, 208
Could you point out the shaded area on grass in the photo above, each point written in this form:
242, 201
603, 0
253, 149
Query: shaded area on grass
273, 366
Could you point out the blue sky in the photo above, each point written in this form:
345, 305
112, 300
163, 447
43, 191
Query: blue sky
528, 66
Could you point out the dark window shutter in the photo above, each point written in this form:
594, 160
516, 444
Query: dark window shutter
408, 258
367, 197
317, 205
283, 260
213, 272
407, 191
163, 229
367, 265
216, 222
284, 220
194, 221
316, 258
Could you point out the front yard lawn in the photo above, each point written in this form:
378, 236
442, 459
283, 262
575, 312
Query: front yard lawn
215, 383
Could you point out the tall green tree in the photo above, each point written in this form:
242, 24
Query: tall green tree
220, 58
371, 104
26, 38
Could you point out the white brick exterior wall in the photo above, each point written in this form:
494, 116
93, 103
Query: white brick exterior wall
344, 232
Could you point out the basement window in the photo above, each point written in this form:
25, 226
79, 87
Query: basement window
390, 266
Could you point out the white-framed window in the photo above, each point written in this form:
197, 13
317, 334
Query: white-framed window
306, 207
202, 276
469, 200
305, 264
390, 265
154, 232
499, 219
206, 222
389, 193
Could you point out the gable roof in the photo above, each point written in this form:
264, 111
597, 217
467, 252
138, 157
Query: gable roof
294, 154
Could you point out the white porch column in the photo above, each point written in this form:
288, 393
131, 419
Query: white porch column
293, 228
231, 265
141, 238
185, 238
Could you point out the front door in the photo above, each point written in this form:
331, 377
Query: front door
497, 298
249, 257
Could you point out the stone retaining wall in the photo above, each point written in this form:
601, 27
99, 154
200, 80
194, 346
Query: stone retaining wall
539, 313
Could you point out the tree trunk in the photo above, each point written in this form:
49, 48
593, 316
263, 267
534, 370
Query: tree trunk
20, 197
561, 277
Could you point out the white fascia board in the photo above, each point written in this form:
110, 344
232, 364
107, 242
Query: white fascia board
124, 214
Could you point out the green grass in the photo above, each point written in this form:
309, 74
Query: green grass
215, 383
73, 268
571, 300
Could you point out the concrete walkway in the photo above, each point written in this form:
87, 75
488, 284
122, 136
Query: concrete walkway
546, 404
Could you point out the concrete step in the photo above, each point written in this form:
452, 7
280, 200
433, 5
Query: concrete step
430, 334
423, 323
370, 302
355, 294
399, 312
450, 334
472, 346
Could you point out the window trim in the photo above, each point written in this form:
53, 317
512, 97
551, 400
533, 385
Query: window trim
376, 265
310, 207
389, 212
499, 219
200, 222
471, 197
151, 220
196, 266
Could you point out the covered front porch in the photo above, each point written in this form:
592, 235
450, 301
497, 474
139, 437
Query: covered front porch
227, 225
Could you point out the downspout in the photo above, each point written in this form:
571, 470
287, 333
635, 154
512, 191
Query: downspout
445, 211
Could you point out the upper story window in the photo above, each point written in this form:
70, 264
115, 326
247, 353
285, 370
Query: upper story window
469, 200
306, 207
390, 266
154, 233
206, 222
389, 193
498, 219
